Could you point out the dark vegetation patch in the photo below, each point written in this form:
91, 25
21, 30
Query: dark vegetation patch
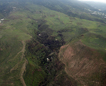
44, 37
63, 80
44, 67
43, 72
64, 30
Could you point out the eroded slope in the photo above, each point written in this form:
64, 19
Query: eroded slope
83, 63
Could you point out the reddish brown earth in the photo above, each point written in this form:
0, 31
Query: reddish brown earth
82, 63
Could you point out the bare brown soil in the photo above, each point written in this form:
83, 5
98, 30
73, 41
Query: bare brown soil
80, 61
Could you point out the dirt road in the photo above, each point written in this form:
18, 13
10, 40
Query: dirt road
24, 64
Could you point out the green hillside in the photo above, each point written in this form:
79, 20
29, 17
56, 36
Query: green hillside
32, 33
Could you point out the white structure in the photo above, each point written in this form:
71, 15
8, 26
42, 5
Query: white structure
48, 59
2, 19
39, 34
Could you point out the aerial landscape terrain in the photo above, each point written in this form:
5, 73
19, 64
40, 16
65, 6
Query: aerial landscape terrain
52, 43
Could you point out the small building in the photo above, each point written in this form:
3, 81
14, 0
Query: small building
39, 34
48, 59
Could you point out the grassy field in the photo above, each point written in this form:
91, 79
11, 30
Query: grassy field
95, 41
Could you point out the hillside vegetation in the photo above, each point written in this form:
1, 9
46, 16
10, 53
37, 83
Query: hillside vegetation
31, 35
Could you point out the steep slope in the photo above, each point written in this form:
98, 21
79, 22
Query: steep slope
84, 64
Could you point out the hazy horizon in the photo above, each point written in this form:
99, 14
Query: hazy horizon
102, 1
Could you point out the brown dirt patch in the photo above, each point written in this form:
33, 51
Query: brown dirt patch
80, 61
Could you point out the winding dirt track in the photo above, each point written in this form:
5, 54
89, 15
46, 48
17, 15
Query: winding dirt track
24, 64
22, 72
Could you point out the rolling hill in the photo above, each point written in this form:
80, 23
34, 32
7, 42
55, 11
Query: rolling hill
51, 43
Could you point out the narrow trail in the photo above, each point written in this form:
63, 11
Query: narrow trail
23, 69
22, 51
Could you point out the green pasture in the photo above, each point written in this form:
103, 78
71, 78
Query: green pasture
94, 41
